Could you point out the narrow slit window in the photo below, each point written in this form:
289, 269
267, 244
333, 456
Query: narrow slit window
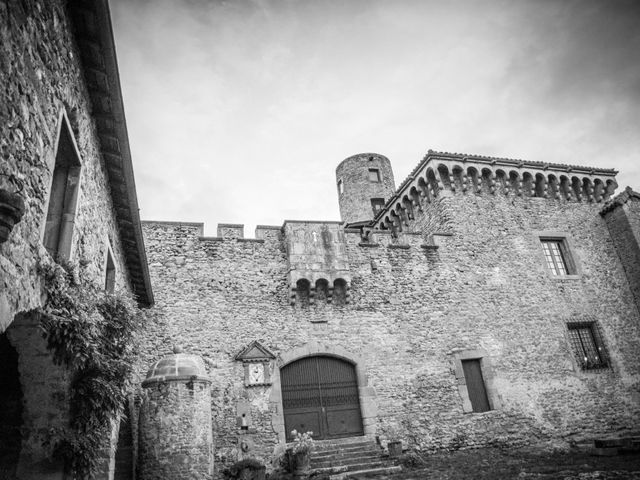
340, 187
110, 273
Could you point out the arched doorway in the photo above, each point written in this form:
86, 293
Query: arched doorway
10, 409
320, 394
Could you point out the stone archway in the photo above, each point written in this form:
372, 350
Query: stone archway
11, 399
320, 394
45, 399
366, 393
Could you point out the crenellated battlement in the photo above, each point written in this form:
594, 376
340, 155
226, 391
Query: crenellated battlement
442, 173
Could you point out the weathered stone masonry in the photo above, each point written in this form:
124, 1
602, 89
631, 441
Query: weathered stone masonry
465, 278
60, 91
417, 287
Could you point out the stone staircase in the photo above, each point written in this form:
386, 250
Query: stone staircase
350, 458
607, 447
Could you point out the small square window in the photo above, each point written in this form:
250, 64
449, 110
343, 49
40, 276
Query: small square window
377, 204
340, 187
374, 175
587, 345
557, 256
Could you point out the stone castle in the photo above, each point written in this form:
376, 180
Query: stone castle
483, 301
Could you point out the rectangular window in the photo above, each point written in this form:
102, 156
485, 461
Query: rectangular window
557, 256
377, 204
587, 345
475, 385
374, 175
63, 197
340, 187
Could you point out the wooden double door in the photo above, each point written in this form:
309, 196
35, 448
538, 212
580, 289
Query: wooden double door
320, 394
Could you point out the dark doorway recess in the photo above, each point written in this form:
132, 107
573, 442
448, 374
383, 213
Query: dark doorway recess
124, 452
10, 409
320, 394
475, 385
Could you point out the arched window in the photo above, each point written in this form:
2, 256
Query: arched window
322, 290
339, 292
302, 292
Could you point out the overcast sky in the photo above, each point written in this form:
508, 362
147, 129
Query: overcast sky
239, 111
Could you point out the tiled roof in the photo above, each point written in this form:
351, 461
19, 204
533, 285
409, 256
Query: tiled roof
94, 35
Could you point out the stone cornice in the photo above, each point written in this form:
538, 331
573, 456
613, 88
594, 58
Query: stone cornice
440, 171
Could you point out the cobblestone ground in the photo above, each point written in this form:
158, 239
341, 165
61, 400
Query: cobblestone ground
486, 464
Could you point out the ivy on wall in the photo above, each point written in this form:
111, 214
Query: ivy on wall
92, 333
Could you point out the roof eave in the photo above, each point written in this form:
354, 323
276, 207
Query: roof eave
94, 35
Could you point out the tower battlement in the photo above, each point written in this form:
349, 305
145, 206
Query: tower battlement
443, 173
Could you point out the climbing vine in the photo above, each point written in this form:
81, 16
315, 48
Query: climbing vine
92, 333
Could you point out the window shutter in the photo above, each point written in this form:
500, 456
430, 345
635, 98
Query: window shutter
566, 256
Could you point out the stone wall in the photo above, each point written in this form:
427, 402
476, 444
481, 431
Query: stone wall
175, 433
42, 79
475, 284
623, 220
43, 87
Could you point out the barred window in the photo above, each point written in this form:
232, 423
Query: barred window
587, 345
558, 257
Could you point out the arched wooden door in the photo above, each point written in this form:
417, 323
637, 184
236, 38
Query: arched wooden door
320, 394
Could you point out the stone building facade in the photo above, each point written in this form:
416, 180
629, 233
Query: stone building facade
65, 154
487, 302
484, 301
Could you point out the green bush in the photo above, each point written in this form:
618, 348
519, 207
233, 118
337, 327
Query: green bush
92, 333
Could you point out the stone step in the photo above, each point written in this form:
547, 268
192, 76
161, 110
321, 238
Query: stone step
341, 461
607, 447
346, 440
369, 449
353, 468
335, 445
348, 457
369, 473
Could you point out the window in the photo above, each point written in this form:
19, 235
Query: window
374, 175
340, 187
63, 197
557, 256
587, 345
377, 204
110, 273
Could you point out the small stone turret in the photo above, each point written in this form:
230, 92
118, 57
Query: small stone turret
176, 440
365, 182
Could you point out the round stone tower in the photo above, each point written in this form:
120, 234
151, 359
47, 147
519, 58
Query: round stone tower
365, 183
176, 440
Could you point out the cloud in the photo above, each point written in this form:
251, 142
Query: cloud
239, 111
